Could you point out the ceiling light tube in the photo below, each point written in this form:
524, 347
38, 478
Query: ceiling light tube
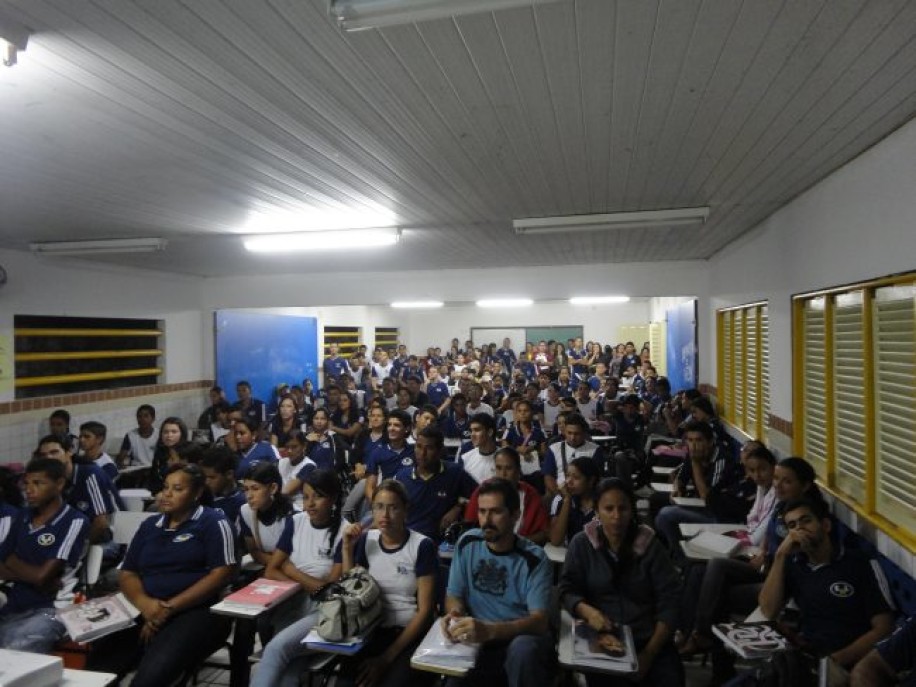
417, 304
345, 239
504, 303
14, 38
99, 246
357, 15
598, 300
647, 219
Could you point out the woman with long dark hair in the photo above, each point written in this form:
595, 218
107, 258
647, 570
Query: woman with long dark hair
173, 436
616, 573
308, 552
576, 504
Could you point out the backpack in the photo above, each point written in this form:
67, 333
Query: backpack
350, 606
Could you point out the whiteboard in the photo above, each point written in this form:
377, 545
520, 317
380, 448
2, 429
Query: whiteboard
486, 335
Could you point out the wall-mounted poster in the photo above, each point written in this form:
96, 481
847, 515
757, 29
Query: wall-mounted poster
682, 346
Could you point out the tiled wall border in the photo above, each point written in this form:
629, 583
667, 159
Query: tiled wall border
781, 425
66, 400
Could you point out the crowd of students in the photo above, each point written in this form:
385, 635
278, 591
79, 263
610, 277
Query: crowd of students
483, 453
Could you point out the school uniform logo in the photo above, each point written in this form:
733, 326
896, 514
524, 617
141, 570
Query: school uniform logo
182, 537
404, 569
46, 539
442, 495
407, 461
842, 590
82, 505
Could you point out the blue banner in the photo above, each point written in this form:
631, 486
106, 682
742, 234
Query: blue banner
682, 346
266, 350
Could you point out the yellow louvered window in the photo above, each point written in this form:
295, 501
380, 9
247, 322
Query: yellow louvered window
894, 317
855, 397
814, 384
743, 368
848, 418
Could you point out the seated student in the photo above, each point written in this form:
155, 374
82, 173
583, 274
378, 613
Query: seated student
173, 434
527, 437
391, 455
285, 421
723, 585
841, 593
498, 596
587, 403
59, 424
616, 572
92, 448
425, 417
552, 406
264, 514
533, 523
208, 418
250, 450
629, 424
221, 430
86, 487
456, 423
404, 564
292, 463
403, 402
323, 448
175, 568
475, 402
478, 461
139, 445
437, 489
371, 436
706, 470
308, 552
218, 466
388, 393
347, 421
251, 407
575, 444
40, 550
575, 505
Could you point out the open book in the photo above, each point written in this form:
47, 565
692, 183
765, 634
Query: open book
97, 617
751, 640
607, 651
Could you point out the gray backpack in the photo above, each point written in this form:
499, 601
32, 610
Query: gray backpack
350, 607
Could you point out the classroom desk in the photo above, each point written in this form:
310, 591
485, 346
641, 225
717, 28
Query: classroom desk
244, 634
556, 554
691, 529
86, 678
604, 439
453, 666
569, 662
136, 499
697, 555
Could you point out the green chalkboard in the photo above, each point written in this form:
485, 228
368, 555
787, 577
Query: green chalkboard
535, 334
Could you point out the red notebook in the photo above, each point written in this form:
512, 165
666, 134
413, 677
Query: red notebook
263, 593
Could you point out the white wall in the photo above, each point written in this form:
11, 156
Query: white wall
858, 223
599, 322
539, 283
65, 286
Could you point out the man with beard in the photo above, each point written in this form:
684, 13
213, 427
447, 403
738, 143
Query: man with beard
498, 595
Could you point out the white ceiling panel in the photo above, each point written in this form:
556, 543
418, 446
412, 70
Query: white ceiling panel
186, 119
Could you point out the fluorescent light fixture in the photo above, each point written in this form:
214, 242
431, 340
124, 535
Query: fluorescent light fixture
14, 37
417, 304
598, 300
356, 15
644, 219
347, 239
99, 246
269, 220
504, 303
